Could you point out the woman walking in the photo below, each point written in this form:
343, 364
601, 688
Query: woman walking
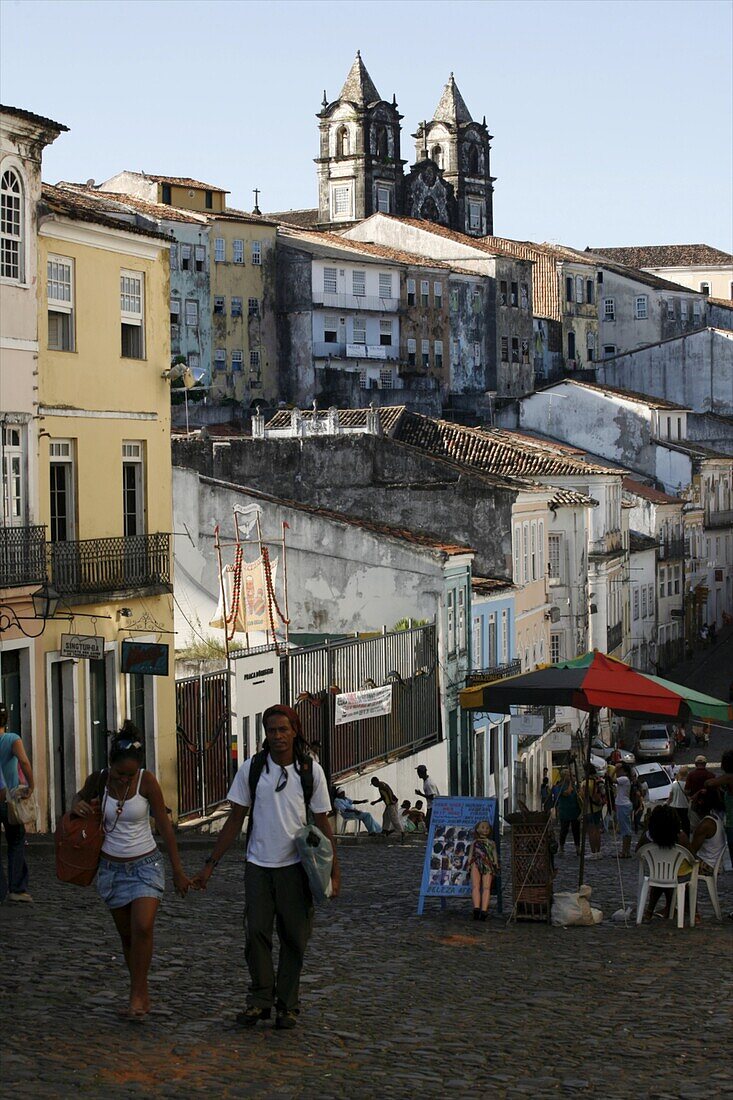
568, 812
624, 808
131, 877
679, 800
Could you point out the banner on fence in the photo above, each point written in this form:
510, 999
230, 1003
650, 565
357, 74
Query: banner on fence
446, 873
354, 706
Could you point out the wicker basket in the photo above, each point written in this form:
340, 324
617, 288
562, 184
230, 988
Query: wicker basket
531, 866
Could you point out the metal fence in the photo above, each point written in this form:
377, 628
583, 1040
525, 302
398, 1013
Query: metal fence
204, 755
110, 564
312, 677
22, 556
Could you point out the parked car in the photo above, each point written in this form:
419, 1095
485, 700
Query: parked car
655, 742
657, 780
600, 748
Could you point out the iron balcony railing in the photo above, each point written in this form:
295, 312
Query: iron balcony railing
498, 672
355, 301
671, 548
22, 556
719, 519
614, 636
110, 564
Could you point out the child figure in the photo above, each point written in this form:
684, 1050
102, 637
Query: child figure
484, 864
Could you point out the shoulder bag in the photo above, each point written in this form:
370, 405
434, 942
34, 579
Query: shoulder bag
79, 842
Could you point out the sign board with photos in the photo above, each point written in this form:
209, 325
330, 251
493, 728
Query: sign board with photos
144, 658
446, 873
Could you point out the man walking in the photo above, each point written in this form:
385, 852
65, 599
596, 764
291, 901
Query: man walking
285, 782
391, 817
429, 789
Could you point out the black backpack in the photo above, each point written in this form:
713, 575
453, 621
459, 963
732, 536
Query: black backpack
255, 771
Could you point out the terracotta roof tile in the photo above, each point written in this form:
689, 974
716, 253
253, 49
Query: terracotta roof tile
724, 303
302, 219
348, 418
184, 181
648, 492
72, 204
29, 116
453, 235
367, 248
487, 586
667, 255
628, 395
158, 210
639, 542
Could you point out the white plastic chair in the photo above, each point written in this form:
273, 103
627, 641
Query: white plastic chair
659, 867
711, 881
345, 822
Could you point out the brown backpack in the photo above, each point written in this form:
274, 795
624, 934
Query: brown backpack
79, 843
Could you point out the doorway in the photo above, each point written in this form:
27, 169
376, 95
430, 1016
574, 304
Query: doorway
63, 735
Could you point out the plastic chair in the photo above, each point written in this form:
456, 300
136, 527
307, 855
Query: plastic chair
659, 867
345, 822
711, 881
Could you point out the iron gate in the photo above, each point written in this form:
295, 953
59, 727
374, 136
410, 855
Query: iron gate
203, 739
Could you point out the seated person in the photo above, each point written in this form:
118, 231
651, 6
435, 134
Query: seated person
708, 839
417, 816
663, 829
347, 808
407, 823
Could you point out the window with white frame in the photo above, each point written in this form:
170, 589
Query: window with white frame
696, 310
174, 257
254, 362
525, 553
533, 550
133, 488
363, 380
257, 253
425, 353
238, 252
192, 313
341, 202
491, 638
412, 351
11, 227
554, 543
330, 330
60, 294
438, 294
579, 289
683, 310
410, 292
609, 309
13, 471
474, 215
438, 354
670, 307
640, 307
383, 200
476, 646
504, 636
517, 547
424, 292
220, 250
236, 307
590, 346
359, 330
541, 549
462, 632
650, 590
185, 257
194, 360
237, 359
253, 307
329, 280
556, 653
385, 284
220, 305
644, 601
132, 311
704, 288
358, 284
385, 334
220, 359
200, 258
175, 311
662, 581
385, 378
451, 622
636, 603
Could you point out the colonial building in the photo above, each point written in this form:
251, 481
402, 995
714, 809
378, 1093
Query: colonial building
697, 266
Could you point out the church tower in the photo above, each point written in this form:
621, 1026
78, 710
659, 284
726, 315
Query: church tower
460, 148
359, 167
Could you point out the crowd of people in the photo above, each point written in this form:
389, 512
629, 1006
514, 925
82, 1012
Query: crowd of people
397, 817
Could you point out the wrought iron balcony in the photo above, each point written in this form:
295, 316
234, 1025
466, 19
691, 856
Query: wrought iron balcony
614, 637
671, 548
719, 519
110, 565
498, 672
22, 556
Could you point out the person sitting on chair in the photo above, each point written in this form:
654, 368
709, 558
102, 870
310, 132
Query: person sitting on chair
663, 829
347, 808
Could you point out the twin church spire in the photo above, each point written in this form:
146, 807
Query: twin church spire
360, 169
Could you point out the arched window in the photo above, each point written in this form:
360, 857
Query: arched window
342, 142
381, 143
11, 226
438, 155
473, 160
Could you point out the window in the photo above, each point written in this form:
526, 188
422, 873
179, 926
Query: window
192, 313
237, 359
220, 250
515, 349
385, 334
410, 292
491, 638
609, 309
451, 623
362, 380
644, 601
358, 284
238, 252
426, 353
640, 307
571, 345
175, 308
476, 301
599, 278
525, 351
438, 295
200, 258
219, 305
174, 257
208, 200
704, 288
424, 292
341, 202
505, 349
412, 352
329, 280
609, 350
503, 292
253, 307
515, 294
330, 330
461, 620
517, 546
569, 288
254, 362
524, 295
342, 141
636, 603
525, 553
579, 289
220, 359
385, 379
504, 636
554, 543
359, 329
590, 346
650, 590
437, 155
131, 310
476, 647
236, 307
589, 291
555, 648
167, 197
696, 310
257, 253
61, 484
533, 550
477, 355
13, 499
133, 502
683, 311
385, 285
474, 215
677, 580
11, 227
438, 354
60, 293
670, 307
383, 200
185, 257
194, 360
670, 581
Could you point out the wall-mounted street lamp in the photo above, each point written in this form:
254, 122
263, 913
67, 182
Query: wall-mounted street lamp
45, 601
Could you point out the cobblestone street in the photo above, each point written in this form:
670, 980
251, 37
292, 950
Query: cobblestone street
393, 1004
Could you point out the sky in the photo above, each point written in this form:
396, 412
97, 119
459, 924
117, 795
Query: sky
612, 120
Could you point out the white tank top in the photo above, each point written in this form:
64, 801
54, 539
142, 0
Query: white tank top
131, 836
711, 848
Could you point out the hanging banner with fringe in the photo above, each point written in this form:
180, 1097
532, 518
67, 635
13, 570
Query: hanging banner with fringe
245, 593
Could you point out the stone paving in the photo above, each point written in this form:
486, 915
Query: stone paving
393, 1004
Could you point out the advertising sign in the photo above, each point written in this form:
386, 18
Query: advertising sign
145, 658
86, 647
527, 725
354, 706
446, 872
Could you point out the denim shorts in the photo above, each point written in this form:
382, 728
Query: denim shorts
119, 884
623, 815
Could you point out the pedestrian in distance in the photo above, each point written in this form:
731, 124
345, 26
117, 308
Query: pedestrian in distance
347, 808
724, 783
391, 815
131, 876
696, 780
483, 863
429, 790
624, 808
568, 806
12, 757
594, 799
544, 788
679, 800
277, 788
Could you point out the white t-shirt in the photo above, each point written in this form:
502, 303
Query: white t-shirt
278, 814
430, 789
623, 790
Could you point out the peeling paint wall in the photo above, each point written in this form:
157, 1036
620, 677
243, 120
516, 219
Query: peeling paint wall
294, 308
669, 313
188, 284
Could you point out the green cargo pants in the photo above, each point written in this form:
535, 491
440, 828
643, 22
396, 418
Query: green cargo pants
278, 895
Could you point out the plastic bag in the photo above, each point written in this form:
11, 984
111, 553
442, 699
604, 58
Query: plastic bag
575, 909
21, 811
316, 855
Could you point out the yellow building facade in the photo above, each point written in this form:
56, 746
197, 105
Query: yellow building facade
104, 491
